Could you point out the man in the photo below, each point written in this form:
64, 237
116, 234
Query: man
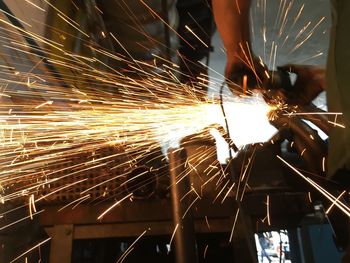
337, 86
232, 21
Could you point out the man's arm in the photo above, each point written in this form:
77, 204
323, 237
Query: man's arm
232, 20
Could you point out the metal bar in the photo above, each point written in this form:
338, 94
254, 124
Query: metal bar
184, 237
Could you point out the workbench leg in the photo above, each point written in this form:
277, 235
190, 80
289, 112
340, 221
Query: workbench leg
243, 241
61, 243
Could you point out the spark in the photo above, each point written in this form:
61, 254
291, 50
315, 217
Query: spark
114, 205
238, 8
189, 192
36, 6
20, 220
311, 57
336, 200
337, 124
191, 31
312, 113
227, 193
75, 201
330, 197
222, 189
31, 249
311, 32
268, 209
31, 206
303, 151
298, 15
122, 46
43, 104
78, 202
189, 207
323, 164
234, 225
309, 196
207, 221
173, 234
131, 247
126, 253
16, 18
205, 251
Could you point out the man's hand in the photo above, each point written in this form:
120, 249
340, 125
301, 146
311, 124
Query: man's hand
310, 81
243, 65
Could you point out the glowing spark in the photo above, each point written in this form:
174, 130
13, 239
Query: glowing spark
121, 45
238, 8
234, 225
271, 54
126, 253
114, 205
268, 209
43, 104
313, 113
336, 200
222, 189
309, 196
227, 193
298, 15
326, 194
31, 206
309, 34
131, 247
16, 18
98, 9
191, 31
173, 235
20, 220
205, 251
311, 57
189, 207
337, 124
36, 6
323, 164
75, 201
31, 249
303, 30
207, 221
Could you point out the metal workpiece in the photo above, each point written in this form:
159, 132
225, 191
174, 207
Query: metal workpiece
305, 139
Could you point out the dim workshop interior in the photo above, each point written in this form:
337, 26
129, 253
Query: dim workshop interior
124, 137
